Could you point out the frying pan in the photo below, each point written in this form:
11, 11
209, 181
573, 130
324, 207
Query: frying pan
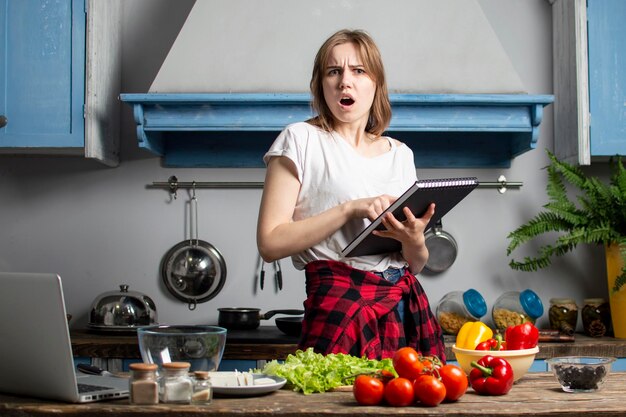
243, 318
291, 326
442, 249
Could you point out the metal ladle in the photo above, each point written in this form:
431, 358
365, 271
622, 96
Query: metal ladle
194, 270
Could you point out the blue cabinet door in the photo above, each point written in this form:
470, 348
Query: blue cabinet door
42, 76
607, 76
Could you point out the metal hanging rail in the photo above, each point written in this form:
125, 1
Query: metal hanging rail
173, 185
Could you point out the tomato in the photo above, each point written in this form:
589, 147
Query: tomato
368, 390
399, 392
455, 380
429, 390
407, 363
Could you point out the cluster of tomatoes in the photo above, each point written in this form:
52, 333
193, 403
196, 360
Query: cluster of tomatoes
421, 380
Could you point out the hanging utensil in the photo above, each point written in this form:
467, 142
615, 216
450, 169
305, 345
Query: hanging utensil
278, 275
193, 270
262, 274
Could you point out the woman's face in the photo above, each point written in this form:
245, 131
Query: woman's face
348, 89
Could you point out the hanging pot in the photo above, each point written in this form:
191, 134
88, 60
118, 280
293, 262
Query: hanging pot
194, 271
442, 249
241, 318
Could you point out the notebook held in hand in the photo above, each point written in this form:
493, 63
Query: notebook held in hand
445, 193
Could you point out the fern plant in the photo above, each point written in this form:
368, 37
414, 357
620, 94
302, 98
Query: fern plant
596, 216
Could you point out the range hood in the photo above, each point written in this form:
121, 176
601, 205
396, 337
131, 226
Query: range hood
235, 130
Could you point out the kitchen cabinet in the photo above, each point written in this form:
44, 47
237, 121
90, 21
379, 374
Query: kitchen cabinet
60, 78
534, 395
589, 79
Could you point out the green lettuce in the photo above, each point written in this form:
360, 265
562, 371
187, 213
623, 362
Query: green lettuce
311, 372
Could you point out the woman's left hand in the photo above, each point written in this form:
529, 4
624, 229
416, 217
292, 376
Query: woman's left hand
411, 234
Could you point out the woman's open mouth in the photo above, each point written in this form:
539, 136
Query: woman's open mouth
346, 101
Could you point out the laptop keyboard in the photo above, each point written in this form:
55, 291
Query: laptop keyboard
84, 388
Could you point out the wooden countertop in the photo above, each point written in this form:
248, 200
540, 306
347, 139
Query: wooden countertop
536, 394
267, 342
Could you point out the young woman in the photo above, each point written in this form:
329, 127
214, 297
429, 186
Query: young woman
326, 179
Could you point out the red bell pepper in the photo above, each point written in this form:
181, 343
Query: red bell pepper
491, 376
496, 343
522, 336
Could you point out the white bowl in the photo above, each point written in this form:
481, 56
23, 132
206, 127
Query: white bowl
201, 346
520, 360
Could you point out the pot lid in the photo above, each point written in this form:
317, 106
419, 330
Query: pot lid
123, 308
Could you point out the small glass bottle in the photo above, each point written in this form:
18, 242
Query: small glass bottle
458, 307
202, 390
596, 316
563, 315
514, 307
176, 384
144, 384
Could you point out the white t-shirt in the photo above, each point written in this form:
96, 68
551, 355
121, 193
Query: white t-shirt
331, 172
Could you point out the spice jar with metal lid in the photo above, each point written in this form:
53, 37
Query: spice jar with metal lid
596, 317
458, 307
176, 384
202, 390
563, 315
143, 383
516, 307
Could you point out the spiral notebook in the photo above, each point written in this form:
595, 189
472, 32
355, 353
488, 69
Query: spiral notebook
445, 193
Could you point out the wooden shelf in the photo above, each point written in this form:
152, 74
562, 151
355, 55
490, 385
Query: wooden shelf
235, 130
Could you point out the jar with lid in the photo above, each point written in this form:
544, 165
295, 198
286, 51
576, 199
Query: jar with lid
458, 307
563, 315
202, 390
596, 316
143, 384
515, 307
176, 384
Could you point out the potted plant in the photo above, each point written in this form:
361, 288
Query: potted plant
596, 216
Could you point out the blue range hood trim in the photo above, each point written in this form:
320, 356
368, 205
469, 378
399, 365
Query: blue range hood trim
235, 130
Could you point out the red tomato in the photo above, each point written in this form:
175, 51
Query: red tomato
406, 362
455, 380
399, 392
429, 390
368, 390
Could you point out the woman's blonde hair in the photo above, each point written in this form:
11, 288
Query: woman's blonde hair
380, 113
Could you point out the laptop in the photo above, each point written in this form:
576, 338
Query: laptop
35, 347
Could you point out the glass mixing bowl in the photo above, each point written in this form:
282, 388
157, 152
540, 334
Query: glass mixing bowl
201, 346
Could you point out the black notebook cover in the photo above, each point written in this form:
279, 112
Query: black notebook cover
445, 193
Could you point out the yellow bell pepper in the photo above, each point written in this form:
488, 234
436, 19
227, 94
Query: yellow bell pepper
472, 333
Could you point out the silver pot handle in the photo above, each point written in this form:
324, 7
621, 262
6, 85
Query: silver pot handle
193, 217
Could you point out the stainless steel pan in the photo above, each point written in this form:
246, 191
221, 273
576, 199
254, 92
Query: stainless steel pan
193, 270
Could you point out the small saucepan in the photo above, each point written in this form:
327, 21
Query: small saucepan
243, 318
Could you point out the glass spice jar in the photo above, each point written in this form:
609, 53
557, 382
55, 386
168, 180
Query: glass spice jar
596, 317
563, 315
515, 307
458, 307
202, 390
176, 384
143, 384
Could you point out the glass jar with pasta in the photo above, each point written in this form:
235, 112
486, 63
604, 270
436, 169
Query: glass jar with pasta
458, 307
515, 307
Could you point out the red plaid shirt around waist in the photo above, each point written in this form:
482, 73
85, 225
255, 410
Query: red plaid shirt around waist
351, 311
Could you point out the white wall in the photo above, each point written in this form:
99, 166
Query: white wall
100, 227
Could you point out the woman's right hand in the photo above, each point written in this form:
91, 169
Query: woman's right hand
371, 207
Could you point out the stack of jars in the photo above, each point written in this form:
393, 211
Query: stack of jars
175, 386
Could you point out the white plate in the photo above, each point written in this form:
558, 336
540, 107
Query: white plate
252, 389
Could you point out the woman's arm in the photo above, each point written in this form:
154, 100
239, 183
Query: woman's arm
278, 236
